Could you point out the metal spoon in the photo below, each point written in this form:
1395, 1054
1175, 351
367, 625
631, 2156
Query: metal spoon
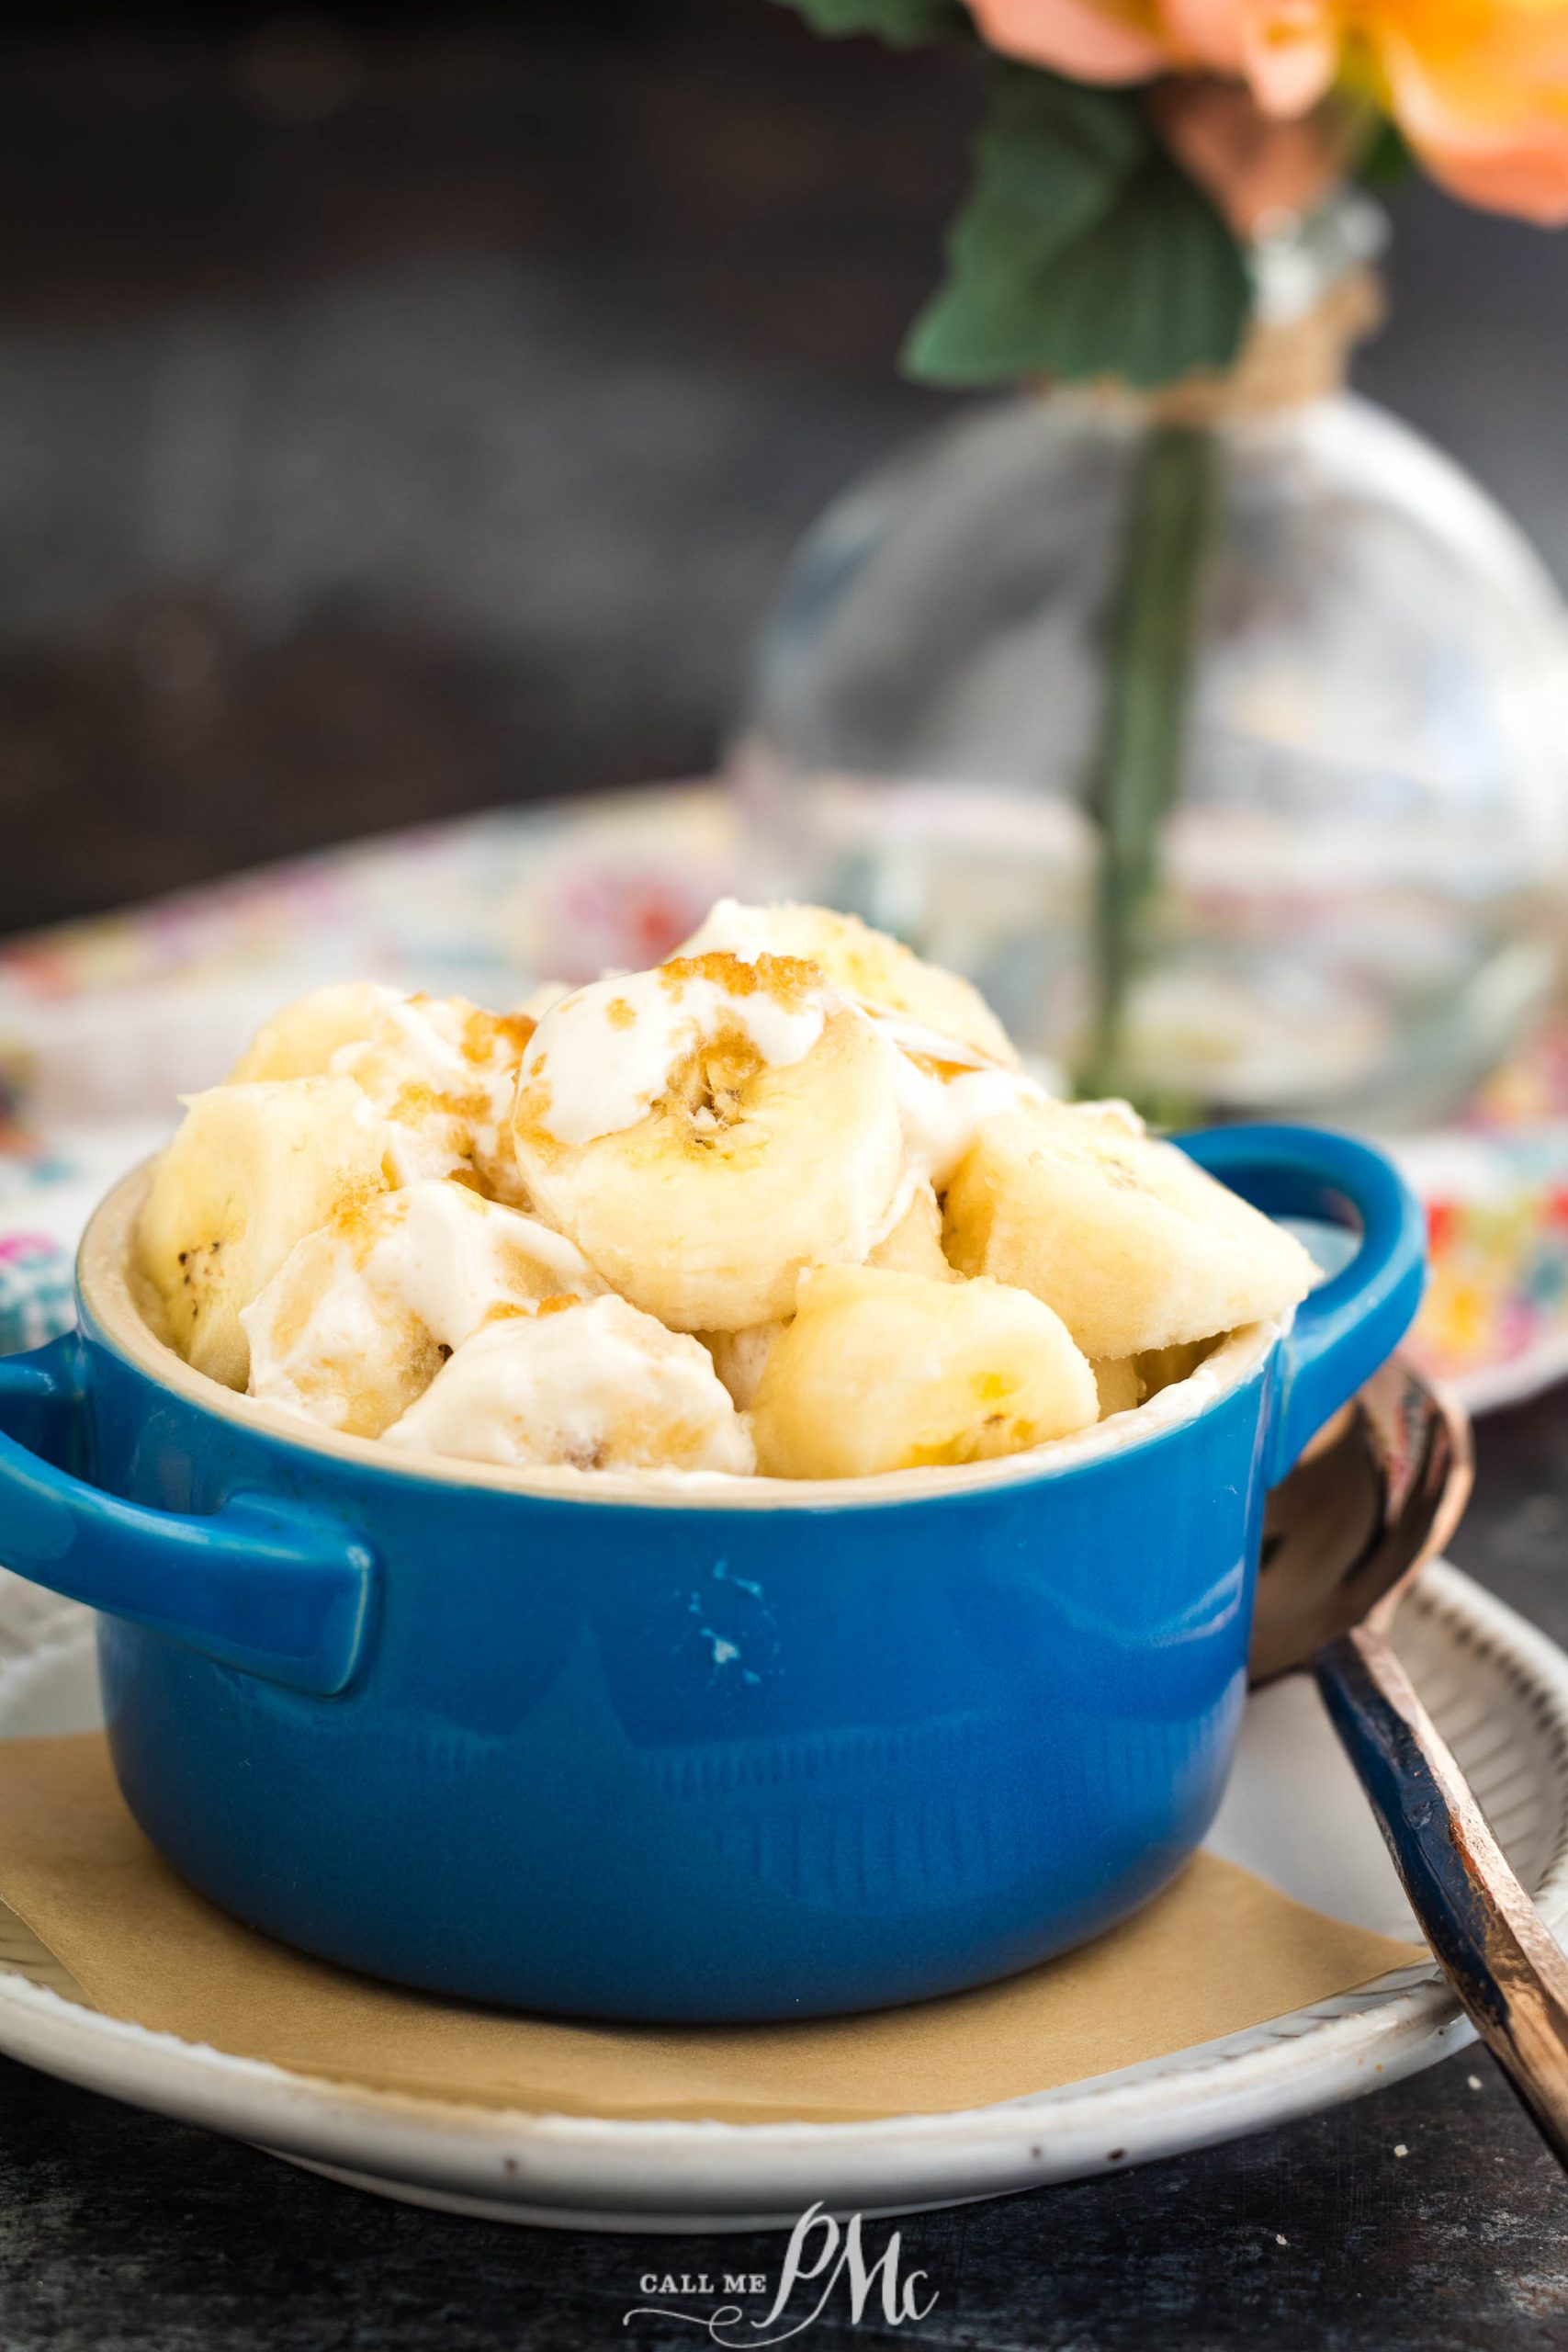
1381, 1492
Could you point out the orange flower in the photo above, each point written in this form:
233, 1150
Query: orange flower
1480, 87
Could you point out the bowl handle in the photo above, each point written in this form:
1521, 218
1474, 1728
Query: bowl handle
260, 1584
1346, 1327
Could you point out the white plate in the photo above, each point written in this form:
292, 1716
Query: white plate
1498, 1689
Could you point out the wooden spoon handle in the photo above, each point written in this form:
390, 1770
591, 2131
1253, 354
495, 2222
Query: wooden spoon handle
1493, 1945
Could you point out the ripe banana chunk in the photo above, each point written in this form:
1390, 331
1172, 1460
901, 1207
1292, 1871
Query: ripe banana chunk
1126, 1380
360, 1317
300, 1040
442, 1069
704, 1131
594, 1385
740, 1358
253, 1168
1130, 1242
881, 971
884, 1371
1163, 1367
914, 1244
1120, 1383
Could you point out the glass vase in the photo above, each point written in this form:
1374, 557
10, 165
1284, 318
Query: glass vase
1353, 902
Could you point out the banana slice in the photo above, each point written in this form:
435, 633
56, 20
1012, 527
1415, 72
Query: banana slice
442, 1069
883, 1371
1163, 1367
1130, 1242
300, 1040
252, 1168
866, 964
1120, 1385
740, 1358
594, 1385
704, 1131
914, 1245
360, 1317
541, 999
1124, 1382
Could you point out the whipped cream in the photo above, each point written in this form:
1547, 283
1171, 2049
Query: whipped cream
542, 997
355, 1303
595, 1386
443, 1073
602, 1056
942, 1109
732, 928
924, 1044
449, 1257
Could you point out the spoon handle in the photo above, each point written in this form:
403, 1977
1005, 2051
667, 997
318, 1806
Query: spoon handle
1492, 1944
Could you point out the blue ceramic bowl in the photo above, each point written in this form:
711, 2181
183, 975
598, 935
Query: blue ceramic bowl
598, 1745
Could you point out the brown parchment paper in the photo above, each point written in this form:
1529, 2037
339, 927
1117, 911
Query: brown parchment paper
1217, 1951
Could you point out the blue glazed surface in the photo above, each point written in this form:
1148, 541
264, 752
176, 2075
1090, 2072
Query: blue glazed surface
661, 1762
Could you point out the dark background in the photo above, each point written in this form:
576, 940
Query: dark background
408, 410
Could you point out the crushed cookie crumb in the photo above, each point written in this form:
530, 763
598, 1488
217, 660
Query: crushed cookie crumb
788, 980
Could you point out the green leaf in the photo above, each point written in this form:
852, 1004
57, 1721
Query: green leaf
1083, 250
1155, 289
903, 24
1386, 161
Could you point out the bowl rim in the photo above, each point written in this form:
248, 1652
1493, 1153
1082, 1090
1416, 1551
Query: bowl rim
112, 1311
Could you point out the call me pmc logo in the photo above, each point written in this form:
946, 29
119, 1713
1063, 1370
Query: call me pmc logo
834, 2264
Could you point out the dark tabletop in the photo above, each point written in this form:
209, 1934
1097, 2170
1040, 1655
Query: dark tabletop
411, 417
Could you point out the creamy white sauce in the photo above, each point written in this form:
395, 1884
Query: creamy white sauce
595, 1386
542, 997
941, 1112
607, 1052
421, 1150
914, 1037
441, 1258
732, 928
446, 1259
422, 1045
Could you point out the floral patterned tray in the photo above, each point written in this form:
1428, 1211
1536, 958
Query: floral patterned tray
105, 1022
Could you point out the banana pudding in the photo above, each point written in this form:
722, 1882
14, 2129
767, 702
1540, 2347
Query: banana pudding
363, 1313
785, 1206
705, 1132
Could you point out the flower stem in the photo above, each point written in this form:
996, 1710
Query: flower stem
1138, 772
